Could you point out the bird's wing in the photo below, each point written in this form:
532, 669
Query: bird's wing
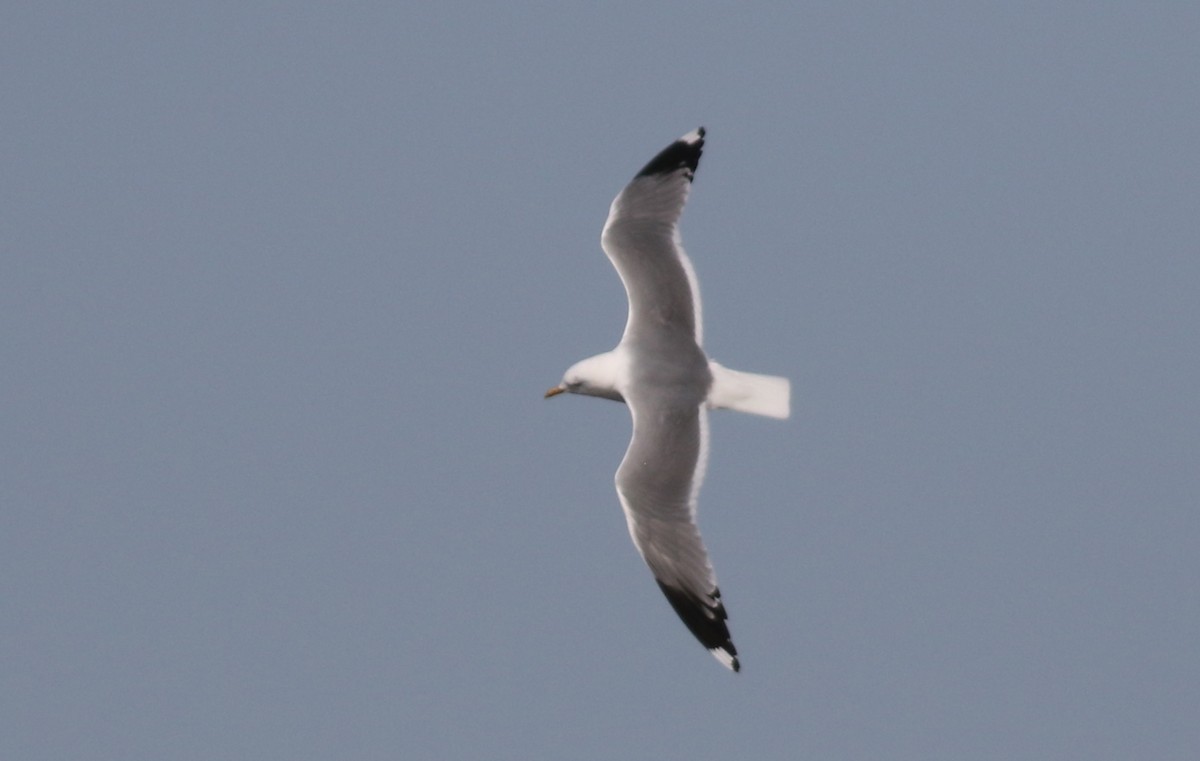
657, 484
641, 237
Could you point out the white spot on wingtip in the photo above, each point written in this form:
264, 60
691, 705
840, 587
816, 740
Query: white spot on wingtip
694, 136
727, 660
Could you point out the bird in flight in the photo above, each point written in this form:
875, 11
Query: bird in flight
661, 373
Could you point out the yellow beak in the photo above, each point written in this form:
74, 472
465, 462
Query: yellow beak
555, 391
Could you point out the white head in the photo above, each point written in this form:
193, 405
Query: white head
594, 376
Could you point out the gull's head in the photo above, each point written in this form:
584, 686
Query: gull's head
594, 376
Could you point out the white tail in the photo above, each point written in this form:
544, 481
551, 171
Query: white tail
767, 395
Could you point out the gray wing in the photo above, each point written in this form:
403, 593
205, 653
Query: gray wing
657, 484
641, 237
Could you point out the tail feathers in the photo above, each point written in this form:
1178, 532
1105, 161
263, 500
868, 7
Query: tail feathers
767, 395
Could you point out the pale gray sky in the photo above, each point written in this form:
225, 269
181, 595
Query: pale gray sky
282, 286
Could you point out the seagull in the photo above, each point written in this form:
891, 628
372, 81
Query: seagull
661, 373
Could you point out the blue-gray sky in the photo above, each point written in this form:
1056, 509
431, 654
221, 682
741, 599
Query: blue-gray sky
282, 286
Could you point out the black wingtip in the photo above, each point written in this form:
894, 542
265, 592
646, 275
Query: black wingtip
684, 153
706, 622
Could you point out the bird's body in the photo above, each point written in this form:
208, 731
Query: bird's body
660, 370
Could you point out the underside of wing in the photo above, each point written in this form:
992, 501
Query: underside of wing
641, 237
657, 484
